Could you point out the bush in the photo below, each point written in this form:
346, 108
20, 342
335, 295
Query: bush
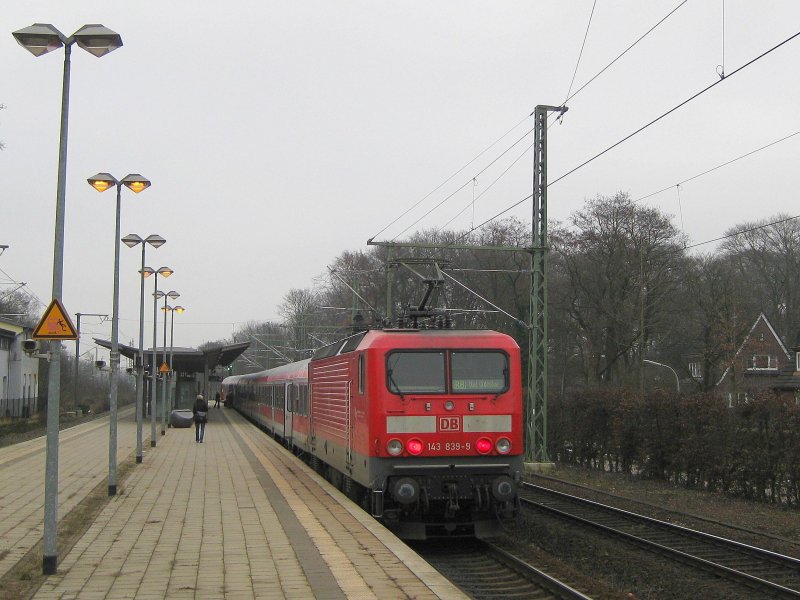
752, 450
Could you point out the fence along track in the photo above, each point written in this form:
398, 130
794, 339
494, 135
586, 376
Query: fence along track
768, 572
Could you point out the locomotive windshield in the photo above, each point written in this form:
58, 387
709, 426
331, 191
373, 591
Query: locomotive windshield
426, 372
416, 372
479, 372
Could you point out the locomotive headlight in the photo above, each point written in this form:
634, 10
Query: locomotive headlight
414, 446
449, 405
484, 445
394, 447
405, 490
503, 445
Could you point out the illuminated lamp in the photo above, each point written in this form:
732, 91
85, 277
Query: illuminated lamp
414, 446
484, 445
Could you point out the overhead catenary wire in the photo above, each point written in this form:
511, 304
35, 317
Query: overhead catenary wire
743, 231
674, 108
446, 181
624, 52
719, 166
477, 295
569, 96
479, 173
639, 130
580, 54
516, 160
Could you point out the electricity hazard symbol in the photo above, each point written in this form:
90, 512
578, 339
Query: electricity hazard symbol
55, 324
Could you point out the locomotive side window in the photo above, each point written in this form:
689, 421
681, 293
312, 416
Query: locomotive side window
416, 372
479, 372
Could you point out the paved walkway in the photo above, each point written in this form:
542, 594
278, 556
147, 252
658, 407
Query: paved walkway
236, 517
82, 465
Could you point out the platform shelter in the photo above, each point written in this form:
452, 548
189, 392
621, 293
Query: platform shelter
198, 371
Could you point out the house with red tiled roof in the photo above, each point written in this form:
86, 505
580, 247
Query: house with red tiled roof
762, 361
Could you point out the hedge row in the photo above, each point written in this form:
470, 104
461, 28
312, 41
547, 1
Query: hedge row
750, 450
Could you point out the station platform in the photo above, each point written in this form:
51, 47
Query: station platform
234, 517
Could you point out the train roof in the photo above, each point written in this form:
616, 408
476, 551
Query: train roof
282, 372
415, 338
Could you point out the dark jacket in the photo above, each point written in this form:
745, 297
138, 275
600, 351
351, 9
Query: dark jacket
199, 406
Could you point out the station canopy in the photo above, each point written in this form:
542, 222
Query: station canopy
184, 360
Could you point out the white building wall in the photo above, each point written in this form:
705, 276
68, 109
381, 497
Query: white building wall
19, 374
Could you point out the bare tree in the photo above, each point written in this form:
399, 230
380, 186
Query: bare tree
767, 254
300, 310
621, 261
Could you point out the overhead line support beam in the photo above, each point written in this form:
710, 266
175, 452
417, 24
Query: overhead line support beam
536, 446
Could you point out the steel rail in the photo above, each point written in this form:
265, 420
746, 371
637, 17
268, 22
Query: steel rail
760, 559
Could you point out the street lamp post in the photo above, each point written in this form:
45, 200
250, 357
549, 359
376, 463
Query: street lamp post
156, 241
171, 294
39, 39
75, 386
136, 183
165, 272
179, 310
677, 381
171, 310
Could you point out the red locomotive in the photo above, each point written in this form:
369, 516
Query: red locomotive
423, 427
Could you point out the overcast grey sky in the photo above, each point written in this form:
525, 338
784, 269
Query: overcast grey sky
279, 134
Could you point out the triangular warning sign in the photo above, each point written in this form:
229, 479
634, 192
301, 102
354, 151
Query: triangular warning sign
164, 368
55, 324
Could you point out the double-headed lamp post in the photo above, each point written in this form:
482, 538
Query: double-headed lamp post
39, 39
156, 241
136, 183
146, 272
172, 294
172, 310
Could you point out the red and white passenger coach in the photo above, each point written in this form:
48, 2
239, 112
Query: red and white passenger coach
423, 427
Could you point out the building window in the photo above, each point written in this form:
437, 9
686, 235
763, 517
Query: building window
696, 369
762, 362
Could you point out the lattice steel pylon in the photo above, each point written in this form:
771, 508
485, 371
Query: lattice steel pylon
536, 444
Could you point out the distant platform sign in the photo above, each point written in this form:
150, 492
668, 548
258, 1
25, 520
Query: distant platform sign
55, 324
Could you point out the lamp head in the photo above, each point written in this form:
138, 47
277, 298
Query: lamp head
165, 271
97, 40
179, 309
102, 181
159, 294
155, 240
135, 182
147, 271
40, 38
131, 240
173, 294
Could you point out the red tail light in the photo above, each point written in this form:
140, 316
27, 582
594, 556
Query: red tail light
414, 446
484, 445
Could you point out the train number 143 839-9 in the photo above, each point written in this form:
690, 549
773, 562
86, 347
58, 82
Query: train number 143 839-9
449, 446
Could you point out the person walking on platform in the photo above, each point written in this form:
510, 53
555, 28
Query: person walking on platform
216, 400
200, 411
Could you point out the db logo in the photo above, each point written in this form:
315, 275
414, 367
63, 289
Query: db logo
449, 424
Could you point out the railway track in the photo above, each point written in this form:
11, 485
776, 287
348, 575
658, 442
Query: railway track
487, 572
769, 573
